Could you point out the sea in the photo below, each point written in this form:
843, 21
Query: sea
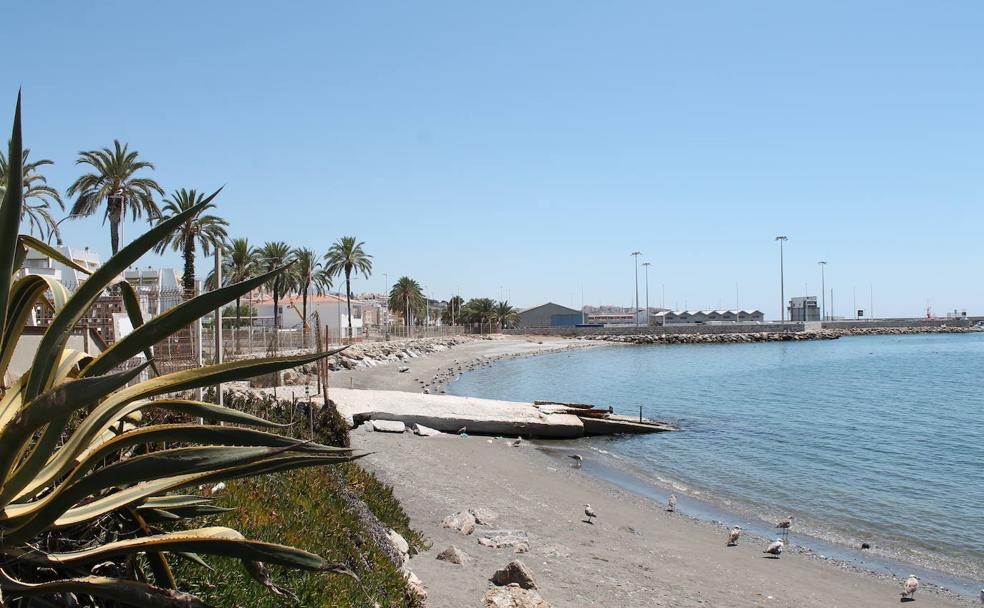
865, 439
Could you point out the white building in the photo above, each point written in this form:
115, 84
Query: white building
159, 289
42, 264
685, 317
332, 312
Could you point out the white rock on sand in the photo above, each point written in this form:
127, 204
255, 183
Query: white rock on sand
389, 426
513, 596
425, 431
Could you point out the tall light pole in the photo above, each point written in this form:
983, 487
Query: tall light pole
823, 292
782, 281
636, 254
646, 265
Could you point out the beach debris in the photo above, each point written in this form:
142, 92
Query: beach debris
671, 503
513, 596
865, 546
217, 488
577, 460
453, 555
910, 586
389, 426
733, 536
462, 521
484, 517
424, 431
775, 549
499, 539
517, 443
589, 513
514, 572
463, 431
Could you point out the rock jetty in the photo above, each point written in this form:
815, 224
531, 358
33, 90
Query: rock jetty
716, 338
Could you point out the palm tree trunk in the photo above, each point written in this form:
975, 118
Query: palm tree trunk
189, 266
348, 301
304, 323
114, 208
238, 323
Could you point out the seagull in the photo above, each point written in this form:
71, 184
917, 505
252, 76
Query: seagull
910, 586
589, 512
733, 536
671, 504
516, 443
784, 525
463, 431
577, 459
775, 548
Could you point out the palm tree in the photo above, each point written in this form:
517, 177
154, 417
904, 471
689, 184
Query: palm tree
206, 231
481, 311
113, 181
406, 298
451, 315
505, 314
240, 261
309, 273
273, 255
38, 195
344, 256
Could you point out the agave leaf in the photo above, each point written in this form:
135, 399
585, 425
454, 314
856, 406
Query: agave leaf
36, 516
10, 212
213, 412
173, 501
11, 402
110, 410
216, 540
132, 304
54, 339
127, 592
30, 242
53, 408
167, 323
141, 491
24, 293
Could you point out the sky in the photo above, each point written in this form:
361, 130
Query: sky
524, 150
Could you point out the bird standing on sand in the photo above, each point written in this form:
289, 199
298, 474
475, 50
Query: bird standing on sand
517, 443
909, 586
589, 513
463, 431
671, 503
733, 536
775, 548
577, 460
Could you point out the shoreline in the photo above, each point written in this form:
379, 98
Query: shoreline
856, 573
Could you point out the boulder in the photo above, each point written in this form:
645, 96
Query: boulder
454, 555
498, 539
400, 544
416, 585
425, 431
484, 517
389, 426
514, 572
513, 596
463, 522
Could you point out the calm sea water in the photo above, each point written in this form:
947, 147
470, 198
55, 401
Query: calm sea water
876, 439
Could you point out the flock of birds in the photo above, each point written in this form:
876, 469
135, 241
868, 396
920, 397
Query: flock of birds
909, 587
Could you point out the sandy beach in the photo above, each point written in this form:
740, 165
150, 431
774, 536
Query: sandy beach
635, 553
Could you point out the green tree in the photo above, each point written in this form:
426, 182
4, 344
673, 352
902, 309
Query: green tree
481, 311
345, 256
309, 274
451, 315
274, 255
113, 180
38, 196
406, 299
505, 314
204, 230
240, 261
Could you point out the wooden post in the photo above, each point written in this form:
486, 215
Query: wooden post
640, 413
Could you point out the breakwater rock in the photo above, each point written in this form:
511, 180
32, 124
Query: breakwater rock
371, 354
717, 338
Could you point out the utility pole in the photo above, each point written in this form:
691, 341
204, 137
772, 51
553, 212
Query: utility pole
782, 281
636, 254
218, 319
823, 292
646, 265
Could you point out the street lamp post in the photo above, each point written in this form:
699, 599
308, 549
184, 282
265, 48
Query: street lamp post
646, 265
782, 281
823, 292
636, 254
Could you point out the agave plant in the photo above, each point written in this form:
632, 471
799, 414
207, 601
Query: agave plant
83, 480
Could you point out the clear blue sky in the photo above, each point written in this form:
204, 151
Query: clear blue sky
533, 145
